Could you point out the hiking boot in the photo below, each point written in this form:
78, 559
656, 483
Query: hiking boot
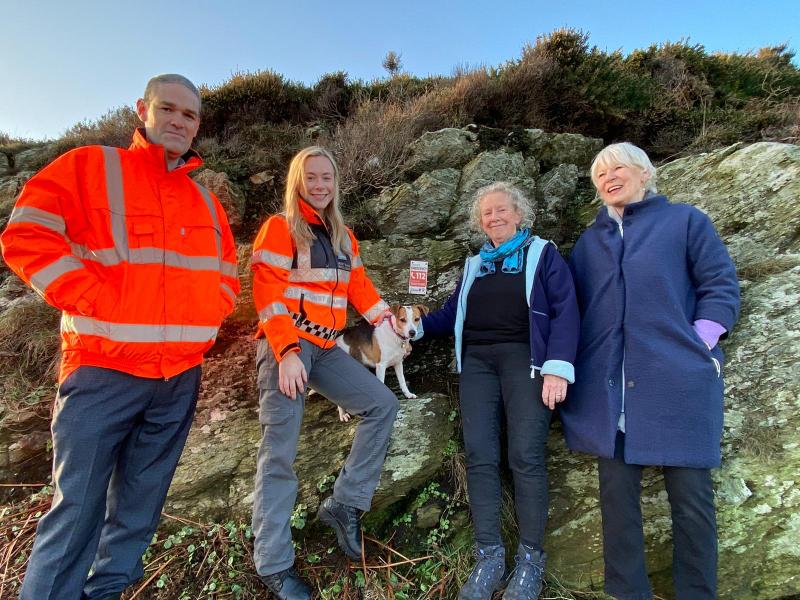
346, 522
488, 576
525, 582
287, 585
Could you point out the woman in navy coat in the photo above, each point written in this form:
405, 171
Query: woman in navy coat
515, 322
656, 290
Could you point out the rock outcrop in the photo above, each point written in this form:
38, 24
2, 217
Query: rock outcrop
751, 193
446, 148
16, 167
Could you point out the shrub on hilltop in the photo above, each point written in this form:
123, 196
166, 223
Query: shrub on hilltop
671, 99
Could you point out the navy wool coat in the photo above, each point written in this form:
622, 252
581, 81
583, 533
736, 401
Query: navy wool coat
639, 293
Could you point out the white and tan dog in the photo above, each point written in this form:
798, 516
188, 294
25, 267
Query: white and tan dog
385, 345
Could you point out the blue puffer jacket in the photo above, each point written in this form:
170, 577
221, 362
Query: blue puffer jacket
554, 322
639, 295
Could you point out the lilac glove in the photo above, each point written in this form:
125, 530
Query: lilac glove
709, 331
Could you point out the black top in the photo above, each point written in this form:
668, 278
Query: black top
497, 310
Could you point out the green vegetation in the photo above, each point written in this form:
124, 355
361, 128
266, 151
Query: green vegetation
190, 560
671, 99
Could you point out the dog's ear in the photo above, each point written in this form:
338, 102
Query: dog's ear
423, 310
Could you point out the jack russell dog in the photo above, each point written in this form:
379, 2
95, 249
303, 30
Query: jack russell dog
385, 345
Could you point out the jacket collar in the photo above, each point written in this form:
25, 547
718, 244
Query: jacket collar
154, 154
649, 203
309, 213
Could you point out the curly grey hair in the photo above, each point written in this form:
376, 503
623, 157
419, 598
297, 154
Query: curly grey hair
519, 202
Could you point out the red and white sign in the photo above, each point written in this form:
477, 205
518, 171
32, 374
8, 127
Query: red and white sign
418, 277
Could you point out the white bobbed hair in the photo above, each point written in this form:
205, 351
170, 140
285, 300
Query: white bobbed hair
625, 153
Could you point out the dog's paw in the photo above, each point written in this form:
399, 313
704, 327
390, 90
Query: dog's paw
409, 395
344, 416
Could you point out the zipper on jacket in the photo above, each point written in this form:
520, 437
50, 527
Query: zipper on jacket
335, 265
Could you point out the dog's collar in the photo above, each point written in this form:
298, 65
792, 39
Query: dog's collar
402, 337
394, 331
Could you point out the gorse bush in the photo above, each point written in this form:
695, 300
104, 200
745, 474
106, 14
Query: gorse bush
115, 128
248, 98
669, 98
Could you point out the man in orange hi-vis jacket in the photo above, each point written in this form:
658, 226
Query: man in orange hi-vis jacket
142, 264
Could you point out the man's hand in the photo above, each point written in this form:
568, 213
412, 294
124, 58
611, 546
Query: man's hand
292, 376
554, 390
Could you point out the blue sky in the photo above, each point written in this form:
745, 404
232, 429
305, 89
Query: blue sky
63, 62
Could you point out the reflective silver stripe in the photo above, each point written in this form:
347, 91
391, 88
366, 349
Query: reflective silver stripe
317, 275
304, 257
107, 257
151, 256
348, 245
271, 258
44, 277
29, 214
155, 256
269, 311
226, 288
374, 312
210, 205
125, 332
229, 269
116, 201
356, 262
146, 256
308, 296
184, 261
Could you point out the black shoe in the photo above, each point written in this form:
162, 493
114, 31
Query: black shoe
346, 522
287, 585
116, 596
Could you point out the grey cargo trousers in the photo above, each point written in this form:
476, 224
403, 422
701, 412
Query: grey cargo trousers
340, 378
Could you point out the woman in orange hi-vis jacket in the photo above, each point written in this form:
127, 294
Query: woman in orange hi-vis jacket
306, 270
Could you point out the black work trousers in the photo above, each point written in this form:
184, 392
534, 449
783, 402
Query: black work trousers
694, 529
496, 384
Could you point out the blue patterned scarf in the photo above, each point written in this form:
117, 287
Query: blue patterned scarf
511, 251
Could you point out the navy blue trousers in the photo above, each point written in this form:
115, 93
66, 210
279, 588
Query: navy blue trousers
694, 529
117, 439
496, 386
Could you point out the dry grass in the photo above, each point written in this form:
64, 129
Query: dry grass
216, 561
115, 128
17, 530
29, 341
372, 146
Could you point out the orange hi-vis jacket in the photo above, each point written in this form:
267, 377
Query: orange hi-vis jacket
304, 292
140, 260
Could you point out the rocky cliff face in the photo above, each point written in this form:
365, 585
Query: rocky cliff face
751, 193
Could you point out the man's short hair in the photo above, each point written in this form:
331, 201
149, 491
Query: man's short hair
149, 89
